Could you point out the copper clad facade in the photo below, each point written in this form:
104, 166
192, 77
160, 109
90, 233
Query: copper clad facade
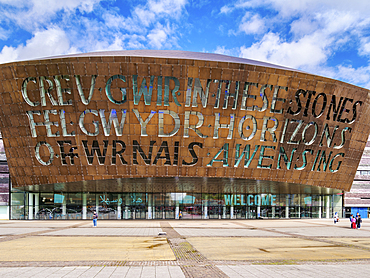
309, 129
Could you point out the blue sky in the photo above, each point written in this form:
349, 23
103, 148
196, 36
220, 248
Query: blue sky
324, 37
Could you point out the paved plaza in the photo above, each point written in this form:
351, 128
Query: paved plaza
184, 248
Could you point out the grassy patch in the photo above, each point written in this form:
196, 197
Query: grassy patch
284, 262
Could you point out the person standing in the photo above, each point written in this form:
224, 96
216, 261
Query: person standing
353, 222
336, 218
350, 220
95, 219
358, 221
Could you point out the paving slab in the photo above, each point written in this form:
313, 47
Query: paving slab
62, 248
55, 272
96, 272
105, 272
40, 223
93, 271
276, 223
16, 271
302, 271
98, 231
60, 272
224, 224
134, 272
240, 232
35, 272
123, 224
266, 248
324, 231
20, 231
298, 223
120, 272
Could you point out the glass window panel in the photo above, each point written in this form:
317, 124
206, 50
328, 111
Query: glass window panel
337, 205
316, 200
108, 205
46, 199
18, 199
17, 212
74, 199
315, 212
2, 151
294, 200
59, 198
306, 200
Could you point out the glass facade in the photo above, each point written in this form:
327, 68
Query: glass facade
173, 198
4, 183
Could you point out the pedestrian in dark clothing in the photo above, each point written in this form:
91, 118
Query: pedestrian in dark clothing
358, 221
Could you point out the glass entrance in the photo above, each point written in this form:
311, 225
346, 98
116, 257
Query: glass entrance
192, 202
159, 206
251, 212
240, 212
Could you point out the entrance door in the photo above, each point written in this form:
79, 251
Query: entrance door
214, 212
187, 211
140, 211
306, 212
170, 212
127, 212
158, 203
252, 212
240, 212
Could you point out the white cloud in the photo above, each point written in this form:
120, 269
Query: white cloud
153, 10
252, 25
170, 7
157, 37
145, 16
200, 3
160, 36
303, 26
136, 41
8, 54
358, 76
221, 50
365, 46
116, 21
305, 34
4, 34
31, 14
292, 8
44, 43
226, 9
85, 25
148, 23
307, 52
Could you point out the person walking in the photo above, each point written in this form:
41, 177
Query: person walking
95, 219
358, 221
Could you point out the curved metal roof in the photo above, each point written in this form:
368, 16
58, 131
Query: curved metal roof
174, 54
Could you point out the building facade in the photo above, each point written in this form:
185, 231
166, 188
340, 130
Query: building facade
164, 134
357, 200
